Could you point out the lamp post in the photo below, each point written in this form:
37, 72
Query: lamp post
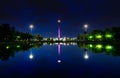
31, 27
85, 27
85, 30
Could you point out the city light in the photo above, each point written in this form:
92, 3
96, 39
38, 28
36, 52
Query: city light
7, 47
99, 36
108, 35
18, 46
31, 26
99, 46
90, 37
18, 37
108, 47
90, 45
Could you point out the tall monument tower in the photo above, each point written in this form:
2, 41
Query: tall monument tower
59, 21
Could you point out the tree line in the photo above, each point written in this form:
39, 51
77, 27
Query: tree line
8, 33
109, 34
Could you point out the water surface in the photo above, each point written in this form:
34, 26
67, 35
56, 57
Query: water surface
60, 60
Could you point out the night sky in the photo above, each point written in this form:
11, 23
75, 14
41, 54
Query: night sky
73, 14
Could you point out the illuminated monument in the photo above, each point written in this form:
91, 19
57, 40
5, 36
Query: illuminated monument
59, 21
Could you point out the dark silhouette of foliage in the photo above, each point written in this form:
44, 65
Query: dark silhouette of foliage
9, 34
9, 50
114, 32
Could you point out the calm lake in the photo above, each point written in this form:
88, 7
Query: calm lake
60, 60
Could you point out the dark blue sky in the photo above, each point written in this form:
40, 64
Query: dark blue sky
73, 13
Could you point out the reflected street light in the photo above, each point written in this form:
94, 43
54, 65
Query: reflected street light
59, 61
31, 27
31, 56
86, 56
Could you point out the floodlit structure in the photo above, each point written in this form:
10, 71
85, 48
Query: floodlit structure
59, 21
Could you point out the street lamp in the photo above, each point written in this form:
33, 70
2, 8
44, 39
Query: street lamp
31, 27
86, 27
85, 30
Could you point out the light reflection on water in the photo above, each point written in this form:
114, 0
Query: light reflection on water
60, 59
108, 49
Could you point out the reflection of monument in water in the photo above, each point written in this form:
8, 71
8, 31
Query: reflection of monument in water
59, 61
59, 21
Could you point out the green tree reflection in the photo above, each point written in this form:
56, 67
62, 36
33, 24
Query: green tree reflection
9, 50
108, 49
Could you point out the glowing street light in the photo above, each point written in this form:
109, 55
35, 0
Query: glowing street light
108, 35
85, 26
99, 46
108, 47
18, 46
98, 36
90, 37
90, 46
31, 26
7, 47
85, 30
